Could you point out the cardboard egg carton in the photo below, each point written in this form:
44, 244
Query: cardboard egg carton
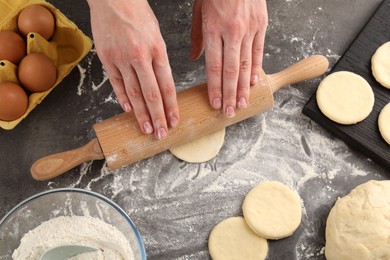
66, 48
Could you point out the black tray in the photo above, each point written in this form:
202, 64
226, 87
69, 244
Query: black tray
364, 136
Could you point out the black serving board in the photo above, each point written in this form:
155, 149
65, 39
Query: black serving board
364, 136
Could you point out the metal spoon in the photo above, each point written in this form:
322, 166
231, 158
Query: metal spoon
65, 252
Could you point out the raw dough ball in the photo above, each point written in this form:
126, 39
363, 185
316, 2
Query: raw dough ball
384, 123
358, 225
233, 239
345, 97
272, 210
380, 65
200, 150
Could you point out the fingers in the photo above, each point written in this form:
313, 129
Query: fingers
167, 87
231, 71
258, 44
153, 99
214, 56
152, 93
135, 95
244, 78
118, 86
146, 87
196, 31
228, 64
257, 56
234, 33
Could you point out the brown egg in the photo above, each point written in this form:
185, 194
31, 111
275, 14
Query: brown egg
37, 72
12, 47
38, 19
13, 101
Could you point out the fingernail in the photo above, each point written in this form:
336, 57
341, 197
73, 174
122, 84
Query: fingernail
217, 103
242, 103
127, 107
230, 111
254, 79
173, 121
148, 128
161, 133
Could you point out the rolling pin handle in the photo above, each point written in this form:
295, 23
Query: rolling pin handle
306, 69
54, 165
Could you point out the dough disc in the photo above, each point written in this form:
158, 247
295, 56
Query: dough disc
384, 123
233, 239
358, 225
200, 150
380, 65
272, 210
345, 97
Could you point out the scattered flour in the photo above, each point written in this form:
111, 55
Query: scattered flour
281, 145
85, 72
75, 230
82, 79
170, 200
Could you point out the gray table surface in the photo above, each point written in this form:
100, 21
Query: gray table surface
175, 204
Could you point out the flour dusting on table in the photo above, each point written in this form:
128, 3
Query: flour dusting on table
182, 198
176, 204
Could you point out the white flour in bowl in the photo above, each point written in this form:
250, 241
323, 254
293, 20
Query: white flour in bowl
75, 230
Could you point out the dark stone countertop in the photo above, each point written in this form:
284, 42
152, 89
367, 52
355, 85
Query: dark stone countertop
174, 204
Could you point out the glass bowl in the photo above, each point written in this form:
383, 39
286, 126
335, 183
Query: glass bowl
46, 205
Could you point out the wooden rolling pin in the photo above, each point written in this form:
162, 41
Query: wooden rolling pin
121, 142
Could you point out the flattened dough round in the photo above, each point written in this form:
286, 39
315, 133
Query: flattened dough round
345, 97
201, 149
380, 65
358, 225
272, 210
232, 239
384, 122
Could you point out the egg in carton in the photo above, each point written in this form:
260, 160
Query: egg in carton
65, 48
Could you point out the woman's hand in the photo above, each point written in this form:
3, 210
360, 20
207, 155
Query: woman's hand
231, 33
130, 46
